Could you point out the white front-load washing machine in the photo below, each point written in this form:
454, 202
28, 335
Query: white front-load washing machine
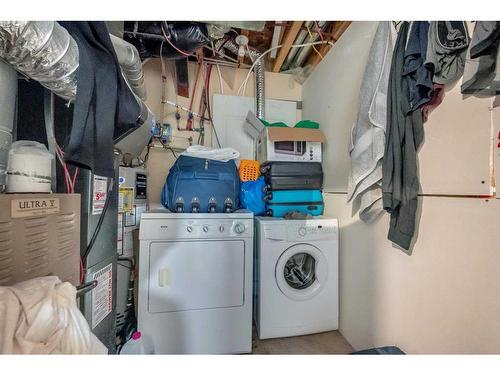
295, 276
195, 282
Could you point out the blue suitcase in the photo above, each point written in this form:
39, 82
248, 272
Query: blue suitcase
201, 185
278, 203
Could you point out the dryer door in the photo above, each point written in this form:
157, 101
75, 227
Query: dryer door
194, 275
301, 271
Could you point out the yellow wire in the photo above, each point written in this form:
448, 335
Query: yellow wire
311, 36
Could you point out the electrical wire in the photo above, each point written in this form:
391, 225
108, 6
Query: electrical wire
249, 54
82, 274
99, 223
68, 179
312, 38
244, 83
220, 79
318, 30
169, 148
222, 54
171, 44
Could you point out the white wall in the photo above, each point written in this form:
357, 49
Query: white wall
444, 298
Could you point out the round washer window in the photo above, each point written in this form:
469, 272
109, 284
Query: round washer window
300, 270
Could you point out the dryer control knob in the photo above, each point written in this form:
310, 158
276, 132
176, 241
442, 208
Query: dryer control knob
189, 229
205, 228
239, 228
302, 231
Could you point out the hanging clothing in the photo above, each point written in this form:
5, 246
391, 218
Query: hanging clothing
105, 108
417, 75
482, 64
436, 99
446, 50
40, 316
367, 140
485, 38
404, 135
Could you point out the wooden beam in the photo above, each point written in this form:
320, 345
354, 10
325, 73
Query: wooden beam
286, 45
338, 30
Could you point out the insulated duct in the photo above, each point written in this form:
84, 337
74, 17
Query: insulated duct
43, 51
8, 94
131, 65
259, 77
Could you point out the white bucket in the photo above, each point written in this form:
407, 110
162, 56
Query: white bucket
29, 168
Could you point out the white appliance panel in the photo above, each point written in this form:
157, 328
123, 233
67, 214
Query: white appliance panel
196, 275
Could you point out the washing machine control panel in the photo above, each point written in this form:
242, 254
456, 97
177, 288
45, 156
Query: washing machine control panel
311, 231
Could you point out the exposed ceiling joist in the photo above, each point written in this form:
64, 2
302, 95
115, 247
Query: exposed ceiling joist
286, 45
338, 29
276, 40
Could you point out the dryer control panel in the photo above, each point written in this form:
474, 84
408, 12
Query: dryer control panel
198, 229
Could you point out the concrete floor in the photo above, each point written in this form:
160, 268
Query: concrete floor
321, 343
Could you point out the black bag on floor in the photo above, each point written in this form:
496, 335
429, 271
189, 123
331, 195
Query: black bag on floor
394, 350
289, 175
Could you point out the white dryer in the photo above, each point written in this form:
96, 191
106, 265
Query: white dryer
195, 282
296, 276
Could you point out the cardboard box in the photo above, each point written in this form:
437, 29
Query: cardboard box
290, 144
284, 143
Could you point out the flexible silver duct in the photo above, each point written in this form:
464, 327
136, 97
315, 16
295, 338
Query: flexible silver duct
131, 65
43, 51
8, 94
260, 98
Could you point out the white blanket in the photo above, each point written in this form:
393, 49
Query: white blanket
221, 154
367, 141
40, 316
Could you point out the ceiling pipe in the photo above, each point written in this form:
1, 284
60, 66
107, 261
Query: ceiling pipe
130, 62
8, 94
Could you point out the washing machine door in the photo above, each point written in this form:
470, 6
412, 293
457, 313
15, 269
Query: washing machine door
301, 271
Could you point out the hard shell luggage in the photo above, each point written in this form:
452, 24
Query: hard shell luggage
287, 175
278, 203
202, 185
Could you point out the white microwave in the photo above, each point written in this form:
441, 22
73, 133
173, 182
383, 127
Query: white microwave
290, 147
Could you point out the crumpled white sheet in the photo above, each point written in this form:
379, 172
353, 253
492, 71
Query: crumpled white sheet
221, 154
40, 316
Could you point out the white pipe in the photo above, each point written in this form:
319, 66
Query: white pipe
8, 94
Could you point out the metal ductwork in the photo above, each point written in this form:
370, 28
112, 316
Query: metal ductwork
45, 52
8, 94
260, 99
131, 65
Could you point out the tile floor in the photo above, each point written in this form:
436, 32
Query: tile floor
322, 343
